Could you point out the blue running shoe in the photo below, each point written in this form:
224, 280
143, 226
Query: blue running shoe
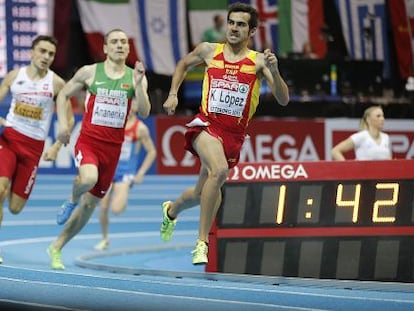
65, 211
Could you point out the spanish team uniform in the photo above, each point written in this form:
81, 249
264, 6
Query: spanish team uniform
107, 105
230, 96
27, 126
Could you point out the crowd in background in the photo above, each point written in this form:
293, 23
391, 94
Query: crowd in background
310, 92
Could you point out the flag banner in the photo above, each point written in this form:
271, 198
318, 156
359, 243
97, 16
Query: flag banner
300, 23
156, 29
99, 17
201, 15
162, 37
286, 25
266, 36
402, 21
364, 27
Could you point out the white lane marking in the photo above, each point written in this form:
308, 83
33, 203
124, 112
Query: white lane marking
141, 293
31, 222
95, 236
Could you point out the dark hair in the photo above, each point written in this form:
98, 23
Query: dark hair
44, 38
216, 18
243, 7
111, 31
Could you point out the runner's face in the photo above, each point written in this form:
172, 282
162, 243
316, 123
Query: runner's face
238, 28
43, 55
117, 46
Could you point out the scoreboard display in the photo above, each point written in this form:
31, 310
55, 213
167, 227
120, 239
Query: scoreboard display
20, 22
339, 220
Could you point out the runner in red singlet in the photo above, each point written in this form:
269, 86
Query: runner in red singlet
230, 96
111, 86
26, 126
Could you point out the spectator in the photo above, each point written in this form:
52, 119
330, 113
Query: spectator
216, 33
370, 143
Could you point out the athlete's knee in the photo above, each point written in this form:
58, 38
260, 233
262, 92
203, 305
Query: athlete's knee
219, 173
87, 180
119, 203
90, 206
118, 209
16, 203
3, 194
4, 188
16, 207
90, 201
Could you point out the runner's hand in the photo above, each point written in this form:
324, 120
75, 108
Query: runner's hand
170, 104
139, 71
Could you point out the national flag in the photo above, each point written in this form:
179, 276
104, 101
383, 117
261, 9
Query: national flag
301, 22
364, 27
99, 17
266, 36
402, 21
201, 14
156, 29
162, 37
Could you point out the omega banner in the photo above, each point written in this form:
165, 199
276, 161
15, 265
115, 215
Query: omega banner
269, 140
277, 140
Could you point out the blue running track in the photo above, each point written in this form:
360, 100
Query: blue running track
140, 272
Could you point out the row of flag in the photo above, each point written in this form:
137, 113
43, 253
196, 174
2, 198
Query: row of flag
159, 29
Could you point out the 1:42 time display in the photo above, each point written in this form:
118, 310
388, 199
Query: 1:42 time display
361, 202
347, 196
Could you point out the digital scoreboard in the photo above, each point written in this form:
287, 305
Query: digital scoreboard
340, 220
20, 22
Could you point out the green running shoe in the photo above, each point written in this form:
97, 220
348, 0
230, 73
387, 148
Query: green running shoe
167, 226
55, 258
